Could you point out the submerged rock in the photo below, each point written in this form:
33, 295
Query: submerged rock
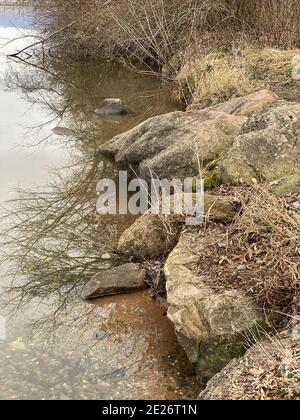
101, 335
127, 278
248, 105
111, 106
63, 131
267, 149
210, 324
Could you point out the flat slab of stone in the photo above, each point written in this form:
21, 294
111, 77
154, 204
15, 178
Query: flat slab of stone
127, 278
248, 105
63, 131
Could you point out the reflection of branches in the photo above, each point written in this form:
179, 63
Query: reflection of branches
43, 68
25, 54
57, 99
52, 240
41, 41
53, 236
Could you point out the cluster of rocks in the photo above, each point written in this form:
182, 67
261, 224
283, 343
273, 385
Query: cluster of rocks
172, 145
255, 137
209, 325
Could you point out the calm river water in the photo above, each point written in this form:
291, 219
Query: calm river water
52, 344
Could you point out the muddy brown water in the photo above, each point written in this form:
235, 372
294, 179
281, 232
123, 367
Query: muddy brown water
54, 345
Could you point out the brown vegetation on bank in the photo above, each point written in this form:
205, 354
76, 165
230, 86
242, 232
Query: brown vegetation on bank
214, 49
259, 253
269, 371
209, 79
154, 30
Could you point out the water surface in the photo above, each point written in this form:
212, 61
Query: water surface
56, 345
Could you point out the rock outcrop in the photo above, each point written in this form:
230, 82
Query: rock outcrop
198, 148
210, 325
124, 279
172, 145
248, 105
267, 149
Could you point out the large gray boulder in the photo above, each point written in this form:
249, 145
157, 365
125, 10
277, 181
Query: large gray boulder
127, 278
157, 134
268, 147
192, 136
210, 324
175, 127
180, 144
186, 157
149, 132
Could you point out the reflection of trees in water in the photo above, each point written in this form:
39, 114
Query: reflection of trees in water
52, 238
70, 92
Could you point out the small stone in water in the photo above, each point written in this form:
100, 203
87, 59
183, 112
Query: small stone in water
63, 131
18, 345
111, 106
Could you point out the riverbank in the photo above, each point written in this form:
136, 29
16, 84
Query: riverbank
206, 80
234, 281
211, 52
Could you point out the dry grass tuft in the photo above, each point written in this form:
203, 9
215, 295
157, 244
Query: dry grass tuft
207, 80
269, 371
213, 79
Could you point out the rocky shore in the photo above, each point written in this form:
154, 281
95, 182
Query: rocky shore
246, 142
